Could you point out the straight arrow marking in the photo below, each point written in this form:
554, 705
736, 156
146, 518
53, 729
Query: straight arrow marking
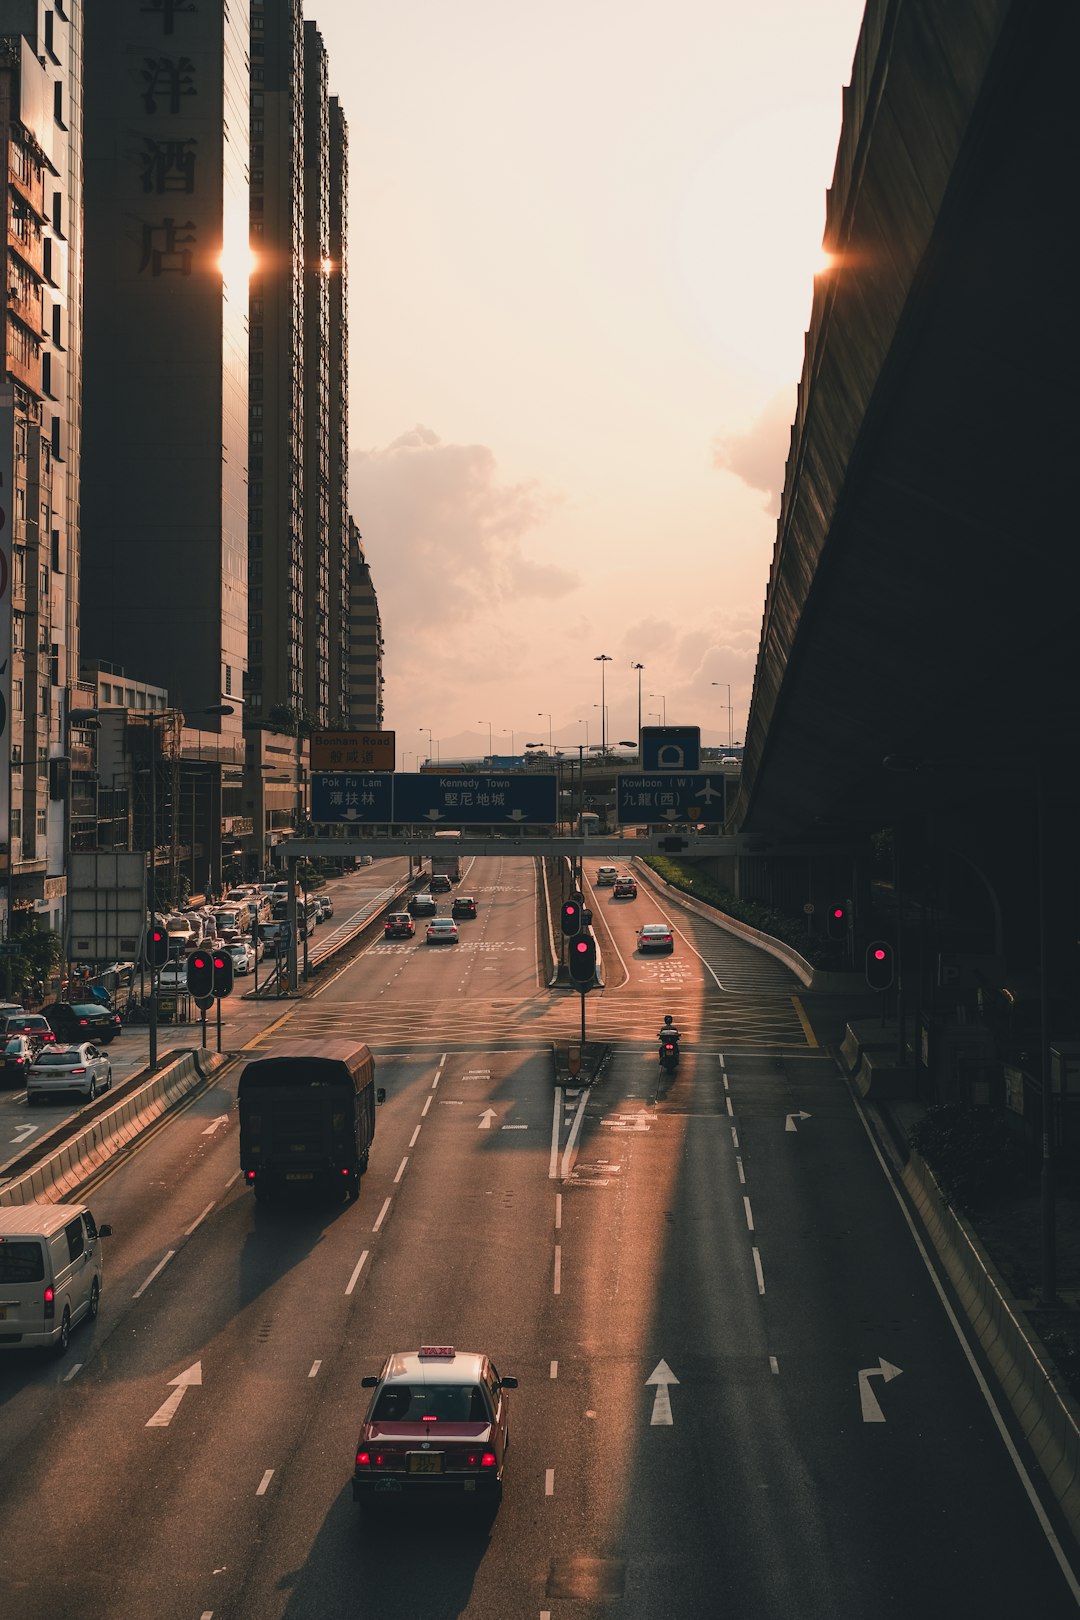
180, 1386
663, 1377
485, 1119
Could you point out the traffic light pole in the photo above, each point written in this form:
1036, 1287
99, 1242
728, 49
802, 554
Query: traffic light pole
583, 1018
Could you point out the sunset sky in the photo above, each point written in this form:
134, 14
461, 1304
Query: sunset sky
582, 241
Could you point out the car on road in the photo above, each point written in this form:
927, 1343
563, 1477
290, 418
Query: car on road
16, 1056
325, 905
83, 1068
399, 925
605, 876
82, 1021
242, 955
33, 1026
625, 887
464, 906
442, 931
656, 937
423, 904
438, 1425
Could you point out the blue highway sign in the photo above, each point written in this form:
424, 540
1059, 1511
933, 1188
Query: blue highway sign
475, 801
351, 796
670, 796
671, 748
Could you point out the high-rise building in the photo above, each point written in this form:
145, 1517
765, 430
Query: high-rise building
317, 263
41, 191
365, 712
276, 400
165, 404
338, 296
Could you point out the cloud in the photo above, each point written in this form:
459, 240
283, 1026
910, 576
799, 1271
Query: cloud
758, 456
445, 539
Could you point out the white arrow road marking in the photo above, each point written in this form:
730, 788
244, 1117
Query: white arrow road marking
663, 1377
215, 1124
24, 1131
871, 1411
180, 1386
485, 1119
789, 1123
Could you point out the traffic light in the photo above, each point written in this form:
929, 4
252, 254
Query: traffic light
157, 947
571, 917
223, 973
836, 921
200, 973
582, 959
880, 964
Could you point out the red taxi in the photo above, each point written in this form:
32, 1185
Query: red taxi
438, 1424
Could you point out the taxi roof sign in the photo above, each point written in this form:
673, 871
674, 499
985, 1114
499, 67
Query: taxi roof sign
442, 1352
353, 750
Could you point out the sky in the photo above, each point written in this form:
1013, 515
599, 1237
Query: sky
582, 245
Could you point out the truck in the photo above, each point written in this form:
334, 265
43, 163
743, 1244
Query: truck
307, 1118
446, 860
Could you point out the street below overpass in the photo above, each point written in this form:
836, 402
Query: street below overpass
742, 1391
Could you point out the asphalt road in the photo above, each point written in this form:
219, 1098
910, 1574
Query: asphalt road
740, 1393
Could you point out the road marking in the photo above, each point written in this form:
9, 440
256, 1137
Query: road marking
382, 1215
513, 1127
159, 1267
554, 1369
68, 1376
315, 1365
758, 1271
774, 1364
811, 1038
412, 1139
549, 1482
485, 1119
571, 1141
427, 1105
868, 1401
748, 1213
180, 1386
264, 1482
401, 1169
216, 1124
735, 1138
199, 1218
730, 1110
558, 1268
235, 1176
558, 1211
553, 1161
663, 1377
789, 1121
356, 1272
23, 1132
739, 1168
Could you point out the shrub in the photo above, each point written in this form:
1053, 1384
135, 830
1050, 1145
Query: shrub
972, 1152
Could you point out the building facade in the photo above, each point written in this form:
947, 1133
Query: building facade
337, 283
165, 486
316, 378
41, 191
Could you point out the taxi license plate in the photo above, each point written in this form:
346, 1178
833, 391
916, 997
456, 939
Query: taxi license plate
425, 1462
298, 1175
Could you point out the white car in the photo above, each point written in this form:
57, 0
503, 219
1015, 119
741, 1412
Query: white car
68, 1068
241, 953
606, 875
173, 975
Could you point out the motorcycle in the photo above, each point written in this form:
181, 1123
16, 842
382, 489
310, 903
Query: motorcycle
669, 1055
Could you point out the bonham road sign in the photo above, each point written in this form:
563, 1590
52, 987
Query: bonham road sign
352, 750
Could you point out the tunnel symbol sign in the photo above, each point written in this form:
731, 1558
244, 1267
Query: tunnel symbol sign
671, 748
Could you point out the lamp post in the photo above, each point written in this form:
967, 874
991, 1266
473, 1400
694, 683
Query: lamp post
603, 724
428, 730
639, 668
730, 732
540, 716
585, 723
602, 659
663, 700
488, 724
508, 731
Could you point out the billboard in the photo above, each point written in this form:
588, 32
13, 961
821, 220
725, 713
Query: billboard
106, 904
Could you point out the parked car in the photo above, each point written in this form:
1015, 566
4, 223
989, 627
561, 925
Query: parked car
325, 905
83, 1068
464, 906
82, 1021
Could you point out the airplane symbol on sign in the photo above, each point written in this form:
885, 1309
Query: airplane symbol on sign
708, 793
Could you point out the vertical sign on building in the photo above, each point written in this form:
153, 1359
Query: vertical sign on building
7, 469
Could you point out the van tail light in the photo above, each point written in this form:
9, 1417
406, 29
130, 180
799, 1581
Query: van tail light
487, 1460
363, 1459
50, 1305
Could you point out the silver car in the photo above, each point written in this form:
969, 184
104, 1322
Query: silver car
80, 1068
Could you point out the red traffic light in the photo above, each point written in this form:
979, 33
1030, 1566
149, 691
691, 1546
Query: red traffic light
582, 960
200, 974
571, 917
880, 964
157, 947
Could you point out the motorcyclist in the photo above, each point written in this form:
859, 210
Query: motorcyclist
669, 1032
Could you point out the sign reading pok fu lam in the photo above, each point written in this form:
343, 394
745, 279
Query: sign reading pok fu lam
353, 750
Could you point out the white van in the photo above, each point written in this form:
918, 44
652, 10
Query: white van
50, 1273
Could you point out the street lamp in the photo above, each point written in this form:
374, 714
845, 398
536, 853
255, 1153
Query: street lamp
508, 731
602, 659
540, 716
663, 700
730, 732
488, 724
639, 668
603, 725
585, 723
428, 730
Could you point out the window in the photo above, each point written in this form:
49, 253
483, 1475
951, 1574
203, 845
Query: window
16, 823
17, 699
73, 1231
42, 823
